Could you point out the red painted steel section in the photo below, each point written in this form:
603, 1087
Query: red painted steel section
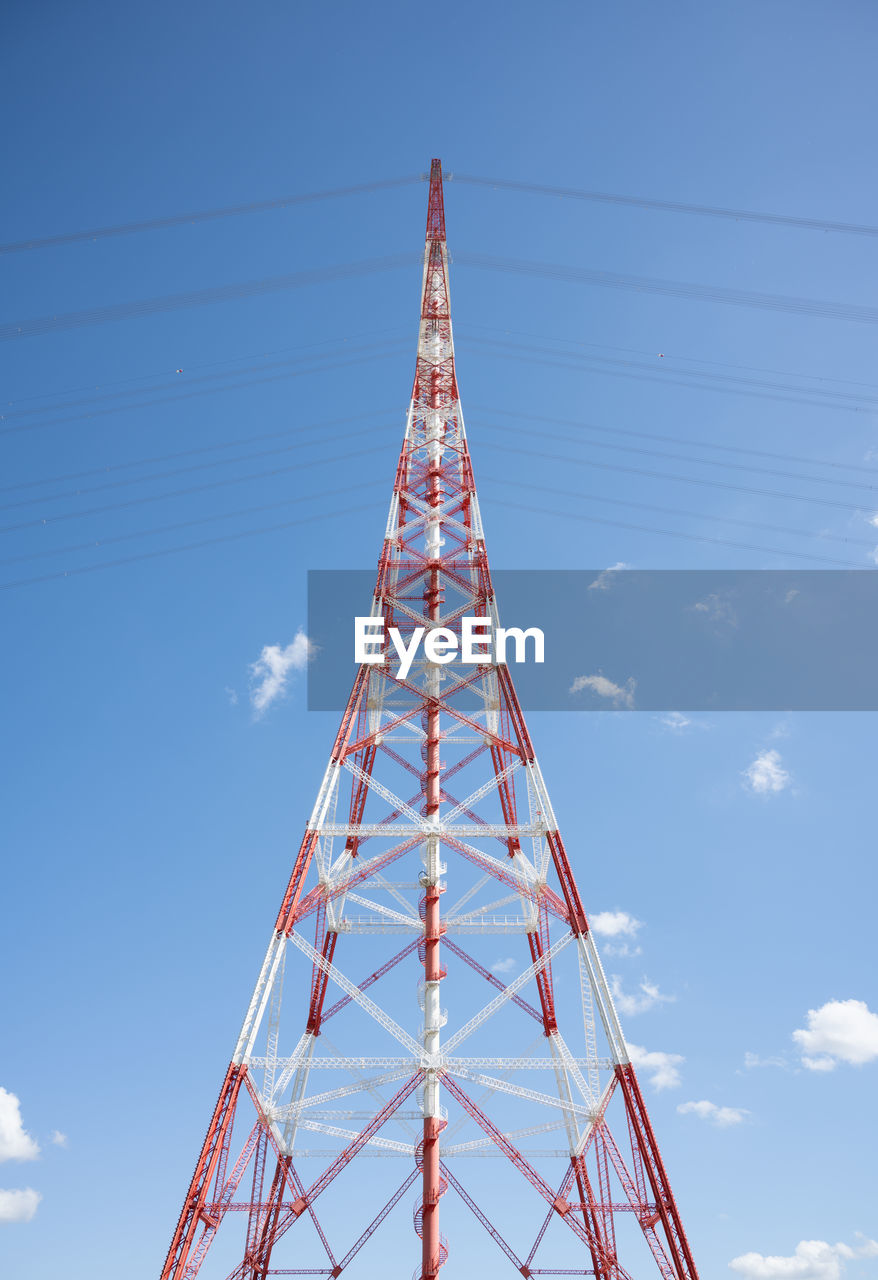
646, 1145
193, 1214
482, 1217
435, 203
492, 978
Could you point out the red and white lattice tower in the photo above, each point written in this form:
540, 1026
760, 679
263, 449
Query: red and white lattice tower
432, 788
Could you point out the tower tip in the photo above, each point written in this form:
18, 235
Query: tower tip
435, 203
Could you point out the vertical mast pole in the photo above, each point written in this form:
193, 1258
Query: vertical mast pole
432, 346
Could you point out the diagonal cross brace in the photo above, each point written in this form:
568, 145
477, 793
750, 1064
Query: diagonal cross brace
514, 987
351, 989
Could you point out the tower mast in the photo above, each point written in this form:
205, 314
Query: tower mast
481, 802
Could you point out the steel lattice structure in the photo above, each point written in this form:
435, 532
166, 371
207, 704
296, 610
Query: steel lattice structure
434, 776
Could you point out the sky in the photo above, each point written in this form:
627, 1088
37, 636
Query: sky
173, 470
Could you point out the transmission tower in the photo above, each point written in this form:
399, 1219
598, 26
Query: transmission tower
432, 787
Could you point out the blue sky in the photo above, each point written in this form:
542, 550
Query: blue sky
151, 815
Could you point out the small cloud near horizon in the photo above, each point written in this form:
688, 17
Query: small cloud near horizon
647, 997
18, 1205
663, 1068
619, 695
766, 775
270, 673
604, 580
721, 1117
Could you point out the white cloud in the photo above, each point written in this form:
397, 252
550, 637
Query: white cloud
812, 1260
752, 1060
717, 610
232, 695
663, 1067
604, 580
676, 720
648, 996
722, 1117
272, 671
619, 695
839, 1031
15, 1142
614, 924
767, 774
503, 966
873, 520
57, 1138
624, 949
18, 1206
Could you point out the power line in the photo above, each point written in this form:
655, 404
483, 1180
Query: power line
580, 496
99, 396
198, 466
179, 493
577, 494
701, 444
189, 546
673, 355
389, 349
204, 364
552, 271
683, 457
676, 533
265, 355
670, 206
184, 524
189, 453
666, 475
312, 197
505, 428
205, 215
673, 288
694, 378
249, 533
199, 297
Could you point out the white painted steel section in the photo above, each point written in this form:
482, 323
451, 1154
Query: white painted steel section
411, 921
329, 783
343, 1091
479, 794
604, 1000
349, 988
340, 1062
530, 1095
386, 794
261, 992
471, 830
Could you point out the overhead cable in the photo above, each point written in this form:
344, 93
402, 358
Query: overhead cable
205, 215
40, 325
669, 206
673, 288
